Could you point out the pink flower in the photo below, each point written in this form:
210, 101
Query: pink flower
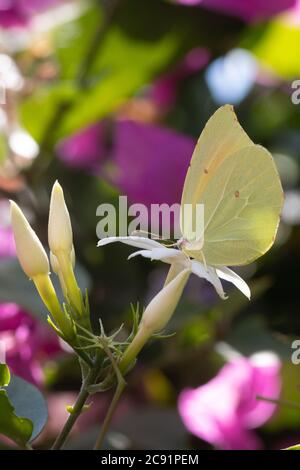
157, 157
7, 242
19, 12
151, 162
26, 342
247, 10
84, 150
225, 410
164, 90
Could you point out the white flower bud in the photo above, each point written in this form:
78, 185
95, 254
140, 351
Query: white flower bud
30, 251
162, 306
60, 235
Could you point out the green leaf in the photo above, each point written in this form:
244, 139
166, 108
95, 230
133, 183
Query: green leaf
274, 45
3, 148
127, 57
296, 447
11, 425
28, 401
4, 375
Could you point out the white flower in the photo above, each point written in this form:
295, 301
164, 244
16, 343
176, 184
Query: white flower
161, 308
153, 250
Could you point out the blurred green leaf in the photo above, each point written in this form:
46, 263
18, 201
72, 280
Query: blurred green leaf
296, 447
28, 401
4, 375
127, 57
287, 417
274, 44
12, 425
3, 148
16, 428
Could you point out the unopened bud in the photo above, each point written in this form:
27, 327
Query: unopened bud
30, 251
60, 236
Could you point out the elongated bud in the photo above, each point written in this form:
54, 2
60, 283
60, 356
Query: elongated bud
60, 234
162, 306
156, 316
30, 251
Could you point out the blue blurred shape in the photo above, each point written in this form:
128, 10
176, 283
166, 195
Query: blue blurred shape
231, 77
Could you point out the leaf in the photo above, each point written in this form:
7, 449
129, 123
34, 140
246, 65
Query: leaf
12, 424
4, 375
274, 45
16, 428
128, 57
296, 447
28, 401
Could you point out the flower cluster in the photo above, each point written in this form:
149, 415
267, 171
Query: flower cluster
35, 263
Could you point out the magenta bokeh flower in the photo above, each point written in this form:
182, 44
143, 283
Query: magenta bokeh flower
158, 159
19, 12
164, 89
27, 342
84, 150
247, 10
225, 410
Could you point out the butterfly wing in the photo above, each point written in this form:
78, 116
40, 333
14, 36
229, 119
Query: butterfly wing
239, 186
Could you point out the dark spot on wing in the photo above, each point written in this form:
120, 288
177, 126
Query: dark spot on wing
237, 194
205, 171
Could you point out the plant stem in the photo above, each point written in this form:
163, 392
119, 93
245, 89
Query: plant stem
77, 409
119, 390
279, 402
106, 423
46, 145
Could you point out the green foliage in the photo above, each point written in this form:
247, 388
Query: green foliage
18, 399
130, 55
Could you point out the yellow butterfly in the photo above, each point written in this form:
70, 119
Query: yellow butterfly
238, 185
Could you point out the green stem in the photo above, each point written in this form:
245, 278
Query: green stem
109, 415
77, 408
46, 144
113, 405
109, 7
288, 403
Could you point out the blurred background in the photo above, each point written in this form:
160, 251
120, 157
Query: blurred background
109, 97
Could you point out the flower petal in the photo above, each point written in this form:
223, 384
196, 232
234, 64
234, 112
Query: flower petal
210, 275
138, 242
230, 276
167, 255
